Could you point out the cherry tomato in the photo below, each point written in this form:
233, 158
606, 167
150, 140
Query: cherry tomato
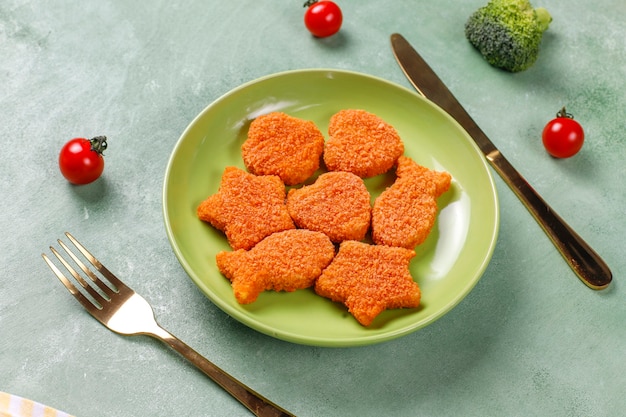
81, 160
322, 18
563, 136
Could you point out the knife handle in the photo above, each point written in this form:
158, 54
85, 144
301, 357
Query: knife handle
585, 262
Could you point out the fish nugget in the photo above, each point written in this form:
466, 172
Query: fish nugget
369, 279
405, 213
247, 208
284, 261
361, 143
283, 145
337, 204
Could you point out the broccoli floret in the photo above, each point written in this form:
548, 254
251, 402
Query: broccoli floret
508, 33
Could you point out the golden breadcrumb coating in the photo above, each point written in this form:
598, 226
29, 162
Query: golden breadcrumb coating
283, 145
361, 143
247, 208
284, 261
404, 214
337, 204
369, 279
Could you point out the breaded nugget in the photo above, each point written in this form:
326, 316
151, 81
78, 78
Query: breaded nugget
369, 279
284, 261
283, 145
337, 204
247, 208
361, 143
404, 214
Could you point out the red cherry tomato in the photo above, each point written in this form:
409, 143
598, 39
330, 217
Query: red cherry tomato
81, 160
322, 18
563, 137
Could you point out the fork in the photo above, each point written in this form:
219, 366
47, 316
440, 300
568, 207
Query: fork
125, 312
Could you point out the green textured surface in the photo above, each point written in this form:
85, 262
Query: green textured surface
529, 339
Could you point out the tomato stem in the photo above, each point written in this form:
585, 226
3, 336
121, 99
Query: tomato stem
564, 113
310, 3
98, 144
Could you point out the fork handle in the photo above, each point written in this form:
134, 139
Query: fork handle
255, 402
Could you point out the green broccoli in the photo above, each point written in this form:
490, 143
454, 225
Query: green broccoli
508, 33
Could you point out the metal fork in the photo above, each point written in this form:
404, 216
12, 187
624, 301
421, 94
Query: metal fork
123, 311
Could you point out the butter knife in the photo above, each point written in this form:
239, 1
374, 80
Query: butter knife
585, 262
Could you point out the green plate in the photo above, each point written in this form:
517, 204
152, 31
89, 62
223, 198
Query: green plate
447, 265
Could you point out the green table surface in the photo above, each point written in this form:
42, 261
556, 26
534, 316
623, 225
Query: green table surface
529, 339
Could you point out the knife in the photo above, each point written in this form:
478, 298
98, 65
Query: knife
585, 262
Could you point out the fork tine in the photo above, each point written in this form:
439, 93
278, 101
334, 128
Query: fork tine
101, 285
82, 266
86, 302
96, 263
93, 293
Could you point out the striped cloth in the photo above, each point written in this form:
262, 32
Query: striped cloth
14, 406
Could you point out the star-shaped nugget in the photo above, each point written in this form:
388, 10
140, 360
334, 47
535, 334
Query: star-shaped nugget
369, 279
247, 208
285, 261
405, 213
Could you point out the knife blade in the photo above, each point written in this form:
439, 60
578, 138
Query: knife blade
584, 261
